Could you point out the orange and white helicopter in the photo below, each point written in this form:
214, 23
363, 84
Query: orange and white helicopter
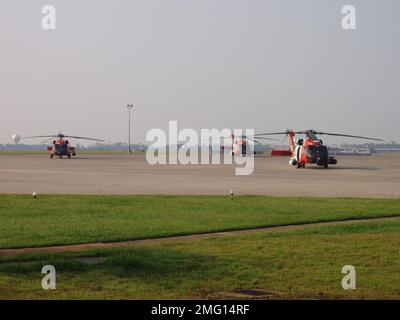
310, 150
60, 147
239, 146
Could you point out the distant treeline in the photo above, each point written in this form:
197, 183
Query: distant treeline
97, 146
119, 146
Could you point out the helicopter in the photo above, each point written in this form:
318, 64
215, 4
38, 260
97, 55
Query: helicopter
59, 147
239, 145
310, 150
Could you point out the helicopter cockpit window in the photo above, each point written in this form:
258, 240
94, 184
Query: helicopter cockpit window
60, 147
321, 151
311, 150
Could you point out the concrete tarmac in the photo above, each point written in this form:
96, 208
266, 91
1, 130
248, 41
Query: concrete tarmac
369, 176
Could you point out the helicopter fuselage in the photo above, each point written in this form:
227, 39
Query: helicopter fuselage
60, 148
309, 151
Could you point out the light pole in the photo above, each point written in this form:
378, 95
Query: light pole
129, 106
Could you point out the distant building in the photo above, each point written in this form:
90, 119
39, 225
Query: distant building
350, 151
364, 150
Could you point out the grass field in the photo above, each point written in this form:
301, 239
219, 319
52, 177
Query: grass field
304, 263
288, 264
58, 220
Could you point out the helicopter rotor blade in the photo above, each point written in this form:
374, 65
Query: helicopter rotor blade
270, 134
84, 138
247, 138
46, 141
346, 135
307, 132
34, 137
265, 138
62, 136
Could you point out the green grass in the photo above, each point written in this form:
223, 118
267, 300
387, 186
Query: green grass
56, 220
22, 152
304, 263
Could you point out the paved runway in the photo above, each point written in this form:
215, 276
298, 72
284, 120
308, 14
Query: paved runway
370, 176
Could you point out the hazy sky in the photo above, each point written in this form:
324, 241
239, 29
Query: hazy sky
255, 64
